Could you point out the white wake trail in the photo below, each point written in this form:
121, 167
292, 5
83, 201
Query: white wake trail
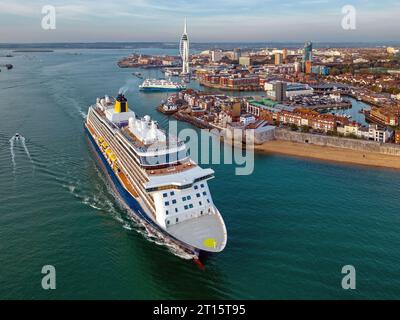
26, 149
12, 140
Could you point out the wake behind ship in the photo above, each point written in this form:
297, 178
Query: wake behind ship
155, 177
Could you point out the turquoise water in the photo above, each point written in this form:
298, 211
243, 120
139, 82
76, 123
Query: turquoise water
292, 225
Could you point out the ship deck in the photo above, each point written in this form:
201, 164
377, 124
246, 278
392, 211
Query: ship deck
206, 233
139, 145
127, 184
125, 181
170, 170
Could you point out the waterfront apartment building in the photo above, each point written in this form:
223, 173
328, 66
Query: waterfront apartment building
274, 112
354, 129
379, 134
372, 132
312, 119
388, 115
267, 109
295, 118
237, 81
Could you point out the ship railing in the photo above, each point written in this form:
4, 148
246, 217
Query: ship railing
159, 146
171, 141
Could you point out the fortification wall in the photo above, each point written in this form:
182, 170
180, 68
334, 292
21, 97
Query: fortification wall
353, 144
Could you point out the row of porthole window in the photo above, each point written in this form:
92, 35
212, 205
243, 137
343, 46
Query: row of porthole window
187, 198
187, 207
172, 193
196, 187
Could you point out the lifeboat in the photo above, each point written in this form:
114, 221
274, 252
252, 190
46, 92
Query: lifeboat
109, 153
104, 145
115, 167
113, 158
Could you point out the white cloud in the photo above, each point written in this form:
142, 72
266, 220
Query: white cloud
18, 9
209, 20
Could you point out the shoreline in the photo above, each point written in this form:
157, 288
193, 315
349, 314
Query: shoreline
250, 88
316, 152
339, 155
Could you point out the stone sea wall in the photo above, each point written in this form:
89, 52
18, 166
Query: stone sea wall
260, 136
353, 144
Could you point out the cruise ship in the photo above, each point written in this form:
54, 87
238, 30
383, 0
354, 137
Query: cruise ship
154, 176
161, 85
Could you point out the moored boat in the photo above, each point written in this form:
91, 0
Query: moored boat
161, 85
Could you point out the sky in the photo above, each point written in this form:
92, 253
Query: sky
208, 20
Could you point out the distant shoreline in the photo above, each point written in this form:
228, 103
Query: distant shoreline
242, 88
32, 50
340, 155
132, 45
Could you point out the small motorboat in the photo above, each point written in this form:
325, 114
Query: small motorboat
17, 136
138, 75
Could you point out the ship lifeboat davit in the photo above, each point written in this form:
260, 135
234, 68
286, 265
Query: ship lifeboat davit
109, 153
104, 145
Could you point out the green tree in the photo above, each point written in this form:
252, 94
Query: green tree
332, 133
352, 136
305, 129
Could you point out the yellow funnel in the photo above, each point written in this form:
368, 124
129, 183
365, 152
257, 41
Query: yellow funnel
121, 104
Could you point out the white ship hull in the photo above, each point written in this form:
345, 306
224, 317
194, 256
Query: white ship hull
156, 88
161, 85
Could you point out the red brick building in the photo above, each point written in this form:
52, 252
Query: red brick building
304, 117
